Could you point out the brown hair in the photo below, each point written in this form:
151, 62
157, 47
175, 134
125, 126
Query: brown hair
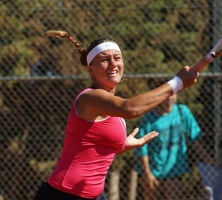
83, 50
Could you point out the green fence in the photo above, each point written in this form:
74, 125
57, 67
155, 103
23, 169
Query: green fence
39, 78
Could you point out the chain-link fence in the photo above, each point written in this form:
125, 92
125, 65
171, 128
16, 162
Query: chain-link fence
39, 78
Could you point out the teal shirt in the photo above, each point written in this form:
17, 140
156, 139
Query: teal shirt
168, 152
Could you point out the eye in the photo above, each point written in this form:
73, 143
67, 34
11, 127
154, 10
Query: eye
104, 60
118, 58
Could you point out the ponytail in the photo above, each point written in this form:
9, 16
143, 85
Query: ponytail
64, 34
83, 51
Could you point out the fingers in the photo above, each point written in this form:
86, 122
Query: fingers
151, 182
156, 182
132, 142
148, 137
197, 76
151, 185
188, 76
135, 131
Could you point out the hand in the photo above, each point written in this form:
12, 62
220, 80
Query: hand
187, 76
132, 142
150, 181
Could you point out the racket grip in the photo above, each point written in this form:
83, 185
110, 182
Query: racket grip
203, 62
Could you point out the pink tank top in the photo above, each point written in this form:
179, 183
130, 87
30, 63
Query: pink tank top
88, 151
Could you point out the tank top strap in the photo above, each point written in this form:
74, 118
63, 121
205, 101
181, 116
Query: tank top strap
78, 95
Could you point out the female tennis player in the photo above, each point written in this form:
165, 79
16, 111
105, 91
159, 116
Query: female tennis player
96, 129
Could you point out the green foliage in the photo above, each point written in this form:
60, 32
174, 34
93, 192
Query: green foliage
167, 30
157, 38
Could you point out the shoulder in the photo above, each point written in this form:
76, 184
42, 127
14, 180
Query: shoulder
185, 111
182, 107
100, 97
95, 93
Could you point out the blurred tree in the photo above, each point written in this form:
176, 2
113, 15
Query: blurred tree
155, 36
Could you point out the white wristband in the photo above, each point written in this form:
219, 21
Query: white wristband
176, 83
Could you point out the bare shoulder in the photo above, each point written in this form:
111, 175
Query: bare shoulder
88, 103
95, 94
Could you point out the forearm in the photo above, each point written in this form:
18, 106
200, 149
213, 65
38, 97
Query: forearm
140, 104
105, 103
148, 178
149, 100
145, 165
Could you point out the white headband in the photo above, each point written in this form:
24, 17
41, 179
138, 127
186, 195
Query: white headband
99, 48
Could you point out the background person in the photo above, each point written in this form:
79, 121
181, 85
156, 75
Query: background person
164, 161
95, 130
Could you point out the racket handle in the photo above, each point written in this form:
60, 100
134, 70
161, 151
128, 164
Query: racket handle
203, 62
208, 58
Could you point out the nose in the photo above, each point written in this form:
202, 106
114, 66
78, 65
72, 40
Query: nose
112, 62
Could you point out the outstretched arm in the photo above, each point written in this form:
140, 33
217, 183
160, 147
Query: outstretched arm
104, 103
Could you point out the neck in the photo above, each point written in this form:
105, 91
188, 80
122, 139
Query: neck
110, 90
163, 111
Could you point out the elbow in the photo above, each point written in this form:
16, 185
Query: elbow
133, 113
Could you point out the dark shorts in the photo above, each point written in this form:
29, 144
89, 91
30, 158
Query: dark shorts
46, 192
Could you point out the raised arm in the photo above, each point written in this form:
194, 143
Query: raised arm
106, 104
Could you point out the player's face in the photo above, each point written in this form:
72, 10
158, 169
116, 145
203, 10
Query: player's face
107, 68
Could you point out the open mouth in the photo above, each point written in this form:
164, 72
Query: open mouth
113, 72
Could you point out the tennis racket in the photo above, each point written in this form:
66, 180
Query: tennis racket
209, 57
